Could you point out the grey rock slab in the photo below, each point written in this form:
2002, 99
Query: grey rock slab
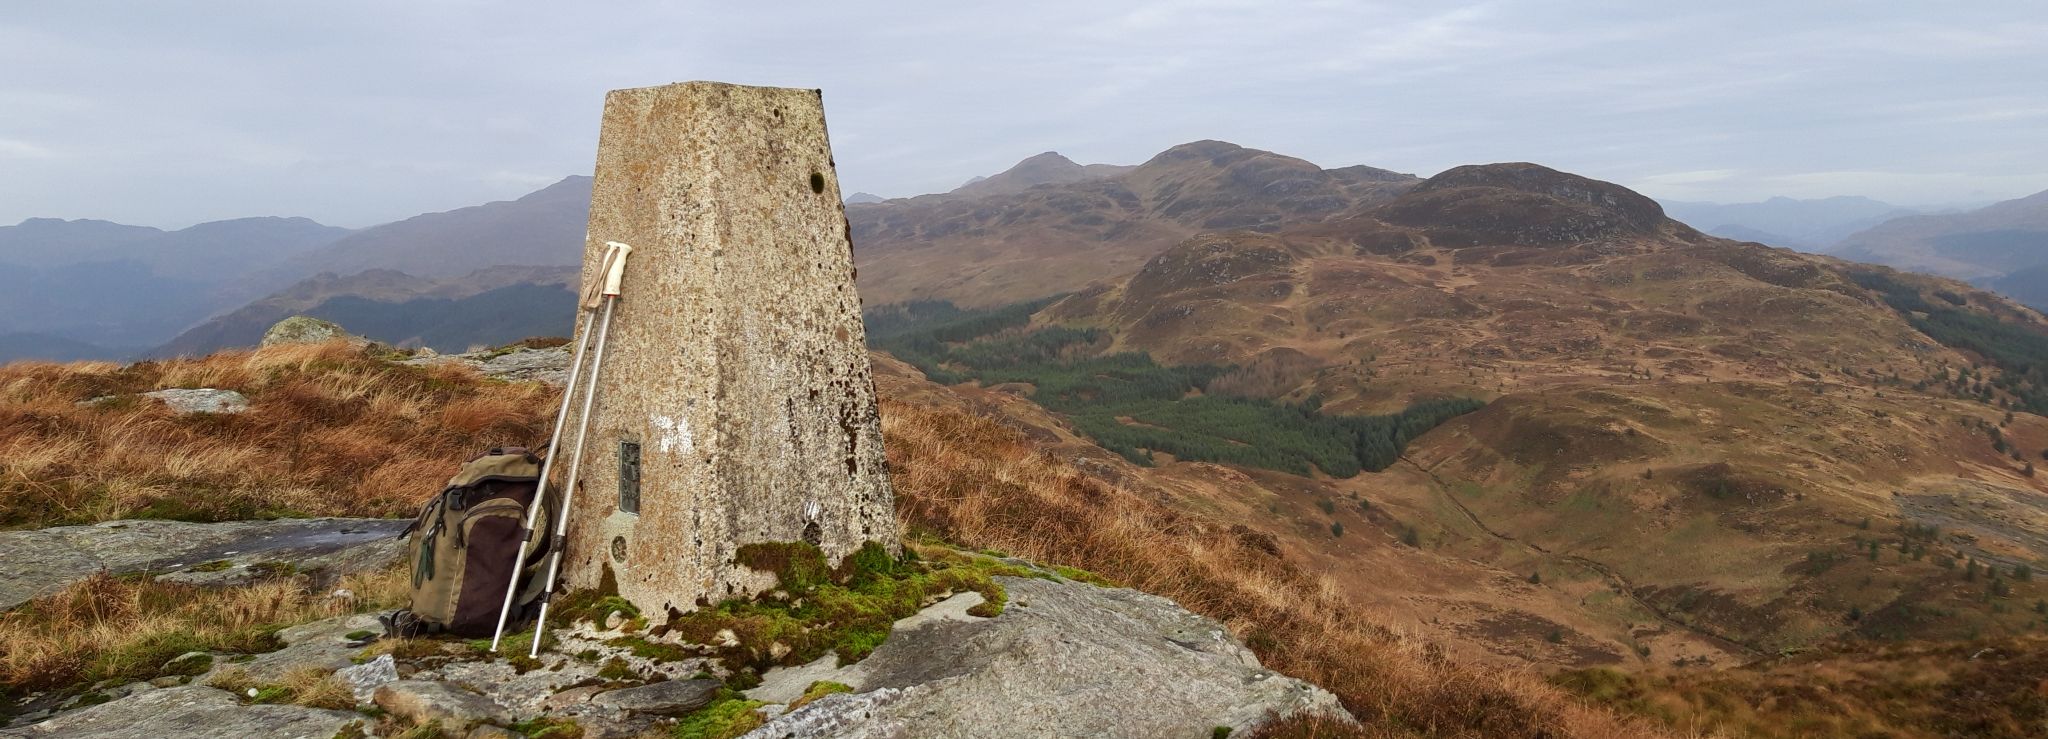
425, 700
364, 679
524, 693
202, 400
322, 644
46, 560
188, 712
667, 698
550, 366
1064, 659
785, 684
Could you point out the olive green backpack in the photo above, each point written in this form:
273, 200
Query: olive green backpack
463, 544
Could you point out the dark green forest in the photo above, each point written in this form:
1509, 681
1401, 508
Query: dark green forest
1134, 406
2020, 351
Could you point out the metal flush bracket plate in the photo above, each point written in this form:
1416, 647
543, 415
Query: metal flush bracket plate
629, 477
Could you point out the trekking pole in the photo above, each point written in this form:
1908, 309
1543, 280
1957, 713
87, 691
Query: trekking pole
614, 269
548, 460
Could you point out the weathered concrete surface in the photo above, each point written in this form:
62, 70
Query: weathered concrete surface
1063, 659
46, 560
737, 358
190, 712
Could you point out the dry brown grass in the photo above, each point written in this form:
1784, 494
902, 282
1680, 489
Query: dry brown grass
1988, 688
333, 430
113, 628
972, 481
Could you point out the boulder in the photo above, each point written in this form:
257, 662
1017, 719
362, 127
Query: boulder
1063, 659
189, 712
201, 400
46, 560
307, 330
423, 700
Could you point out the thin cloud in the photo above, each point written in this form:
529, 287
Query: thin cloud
358, 113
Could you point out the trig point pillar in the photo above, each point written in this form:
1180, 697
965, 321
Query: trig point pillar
736, 403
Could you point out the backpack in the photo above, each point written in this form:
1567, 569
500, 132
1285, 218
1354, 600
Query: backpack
462, 547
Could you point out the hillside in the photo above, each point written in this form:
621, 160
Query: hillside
389, 432
1691, 444
1010, 246
1982, 244
2028, 285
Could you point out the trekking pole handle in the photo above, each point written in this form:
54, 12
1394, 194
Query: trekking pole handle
618, 266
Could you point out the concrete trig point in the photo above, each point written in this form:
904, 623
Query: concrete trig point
737, 404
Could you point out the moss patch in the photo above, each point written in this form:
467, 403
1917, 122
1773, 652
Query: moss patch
617, 669
818, 690
848, 610
1080, 575
548, 728
728, 716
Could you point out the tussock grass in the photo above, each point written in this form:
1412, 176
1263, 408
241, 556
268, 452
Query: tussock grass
117, 628
333, 431
975, 482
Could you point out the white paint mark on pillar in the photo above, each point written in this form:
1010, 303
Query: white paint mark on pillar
675, 433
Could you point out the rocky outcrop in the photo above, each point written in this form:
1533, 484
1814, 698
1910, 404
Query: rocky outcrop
1063, 659
549, 365
307, 330
190, 711
46, 560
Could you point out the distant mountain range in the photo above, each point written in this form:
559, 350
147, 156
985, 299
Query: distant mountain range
1809, 225
2002, 245
1074, 224
94, 289
99, 290
102, 290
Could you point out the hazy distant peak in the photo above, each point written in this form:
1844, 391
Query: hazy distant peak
1203, 149
863, 198
1047, 168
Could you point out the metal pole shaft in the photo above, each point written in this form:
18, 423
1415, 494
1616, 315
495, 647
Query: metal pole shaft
575, 467
540, 492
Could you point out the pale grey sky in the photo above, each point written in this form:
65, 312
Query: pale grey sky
354, 113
